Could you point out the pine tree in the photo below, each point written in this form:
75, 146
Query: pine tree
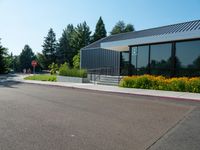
100, 31
49, 48
3, 62
65, 52
121, 27
26, 57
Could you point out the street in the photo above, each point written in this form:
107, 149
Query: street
39, 117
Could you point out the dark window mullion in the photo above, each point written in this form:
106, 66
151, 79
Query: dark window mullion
149, 59
130, 60
173, 61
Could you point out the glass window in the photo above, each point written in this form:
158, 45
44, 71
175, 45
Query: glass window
143, 56
160, 59
125, 56
188, 58
142, 59
134, 54
124, 63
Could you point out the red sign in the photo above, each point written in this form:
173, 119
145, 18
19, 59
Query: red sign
34, 63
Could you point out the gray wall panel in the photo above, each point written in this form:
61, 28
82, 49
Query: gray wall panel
107, 61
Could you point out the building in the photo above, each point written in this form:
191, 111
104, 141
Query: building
172, 50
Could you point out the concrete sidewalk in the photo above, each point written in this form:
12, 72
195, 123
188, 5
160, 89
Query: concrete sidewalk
114, 89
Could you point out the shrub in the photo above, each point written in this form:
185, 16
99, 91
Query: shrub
76, 61
53, 68
161, 83
66, 71
178, 84
193, 85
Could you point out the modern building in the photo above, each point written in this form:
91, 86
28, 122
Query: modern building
172, 50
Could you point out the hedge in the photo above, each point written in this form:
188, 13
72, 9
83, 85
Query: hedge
183, 84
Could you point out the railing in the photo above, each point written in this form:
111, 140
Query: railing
95, 74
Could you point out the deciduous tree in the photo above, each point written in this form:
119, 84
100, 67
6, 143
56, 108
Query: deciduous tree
121, 27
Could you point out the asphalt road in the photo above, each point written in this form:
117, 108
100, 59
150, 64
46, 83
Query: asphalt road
36, 117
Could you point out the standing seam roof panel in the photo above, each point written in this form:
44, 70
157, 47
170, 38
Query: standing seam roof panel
159, 31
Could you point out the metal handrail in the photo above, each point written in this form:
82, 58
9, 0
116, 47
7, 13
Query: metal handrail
95, 74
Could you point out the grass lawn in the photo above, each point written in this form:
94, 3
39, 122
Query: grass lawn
52, 78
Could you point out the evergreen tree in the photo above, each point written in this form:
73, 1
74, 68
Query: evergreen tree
80, 37
41, 60
26, 57
121, 27
49, 48
16, 64
100, 31
65, 51
10, 61
3, 61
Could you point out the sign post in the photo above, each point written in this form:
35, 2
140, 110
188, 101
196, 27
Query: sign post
34, 64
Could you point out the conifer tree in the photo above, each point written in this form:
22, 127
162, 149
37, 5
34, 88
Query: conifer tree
49, 48
100, 31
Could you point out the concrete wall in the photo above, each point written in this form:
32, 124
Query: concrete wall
72, 79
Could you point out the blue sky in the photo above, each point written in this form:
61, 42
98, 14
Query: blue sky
28, 21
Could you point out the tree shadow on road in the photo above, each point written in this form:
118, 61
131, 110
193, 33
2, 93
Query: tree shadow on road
9, 84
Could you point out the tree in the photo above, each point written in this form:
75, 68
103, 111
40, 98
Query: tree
81, 36
121, 27
26, 57
3, 61
49, 48
41, 60
10, 61
129, 28
65, 51
16, 64
100, 31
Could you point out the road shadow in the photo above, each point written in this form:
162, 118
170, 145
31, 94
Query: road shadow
9, 84
6, 76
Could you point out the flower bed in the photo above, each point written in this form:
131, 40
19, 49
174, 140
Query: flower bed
182, 84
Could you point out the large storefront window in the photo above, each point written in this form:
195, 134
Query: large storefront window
160, 59
188, 58
139, 59
124, 63
134, 59
143, 59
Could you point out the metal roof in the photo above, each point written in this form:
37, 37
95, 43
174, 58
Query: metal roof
164, 31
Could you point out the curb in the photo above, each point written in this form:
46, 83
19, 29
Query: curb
120, 93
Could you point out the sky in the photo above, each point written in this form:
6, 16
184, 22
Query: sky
28, 21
